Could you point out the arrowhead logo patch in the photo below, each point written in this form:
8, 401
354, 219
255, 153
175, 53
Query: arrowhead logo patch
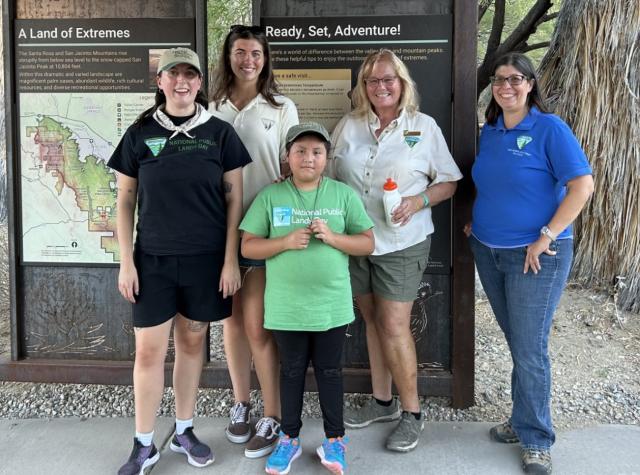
523, 140
156, 144
412, 137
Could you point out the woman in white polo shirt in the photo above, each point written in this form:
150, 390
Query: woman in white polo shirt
245, 95
386, 137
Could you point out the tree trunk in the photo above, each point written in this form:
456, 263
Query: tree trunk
591, 74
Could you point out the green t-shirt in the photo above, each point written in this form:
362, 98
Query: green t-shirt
309, 289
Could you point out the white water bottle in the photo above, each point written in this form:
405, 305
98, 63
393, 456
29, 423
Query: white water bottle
390, 199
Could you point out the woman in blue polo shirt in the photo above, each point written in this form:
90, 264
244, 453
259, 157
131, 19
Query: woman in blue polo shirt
532, 180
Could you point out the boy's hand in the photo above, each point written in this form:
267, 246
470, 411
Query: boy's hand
322, 231
298, 239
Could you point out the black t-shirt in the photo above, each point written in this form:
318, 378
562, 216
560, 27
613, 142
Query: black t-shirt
181, 204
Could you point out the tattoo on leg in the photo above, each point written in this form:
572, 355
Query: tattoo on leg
196, 326
227, 186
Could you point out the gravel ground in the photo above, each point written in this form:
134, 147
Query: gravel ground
596, 367
595, 355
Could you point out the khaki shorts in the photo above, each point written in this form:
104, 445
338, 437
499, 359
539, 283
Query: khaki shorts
393, 276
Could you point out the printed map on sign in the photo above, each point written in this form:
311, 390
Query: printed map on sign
68, 192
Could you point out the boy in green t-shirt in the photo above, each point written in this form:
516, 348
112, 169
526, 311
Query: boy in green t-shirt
306, 227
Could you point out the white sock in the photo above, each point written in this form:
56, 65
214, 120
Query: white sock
145, 438
182, 425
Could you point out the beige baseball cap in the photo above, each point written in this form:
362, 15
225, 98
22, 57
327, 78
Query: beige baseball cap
174, 56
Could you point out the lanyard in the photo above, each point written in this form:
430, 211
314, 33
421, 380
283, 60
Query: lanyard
311, 212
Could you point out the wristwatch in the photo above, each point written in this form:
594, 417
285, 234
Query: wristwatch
545, 231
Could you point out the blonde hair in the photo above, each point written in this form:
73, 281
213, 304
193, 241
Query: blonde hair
409, 97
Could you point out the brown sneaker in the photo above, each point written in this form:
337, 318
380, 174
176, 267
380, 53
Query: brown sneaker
266, 438
239, 431
536, 461
504, 433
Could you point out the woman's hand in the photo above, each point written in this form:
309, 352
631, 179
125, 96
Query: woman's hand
409, 206
467, 229
298, 239
533, 252
128, 283
322, 231
230, 280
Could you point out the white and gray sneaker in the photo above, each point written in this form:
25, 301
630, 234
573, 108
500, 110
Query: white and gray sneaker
266, 438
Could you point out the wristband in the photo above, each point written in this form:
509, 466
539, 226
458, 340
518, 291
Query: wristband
425, 199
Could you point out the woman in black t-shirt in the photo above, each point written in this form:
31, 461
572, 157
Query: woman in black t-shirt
182, 168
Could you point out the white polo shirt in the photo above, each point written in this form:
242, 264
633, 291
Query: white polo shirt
411, 150
263, 131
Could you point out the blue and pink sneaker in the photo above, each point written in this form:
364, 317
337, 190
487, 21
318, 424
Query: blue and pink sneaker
331, 454
287, 450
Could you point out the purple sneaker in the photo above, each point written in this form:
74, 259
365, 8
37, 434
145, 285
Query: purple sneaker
198, 454
140, 459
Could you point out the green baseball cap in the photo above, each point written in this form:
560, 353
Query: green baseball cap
174, 56
306, 128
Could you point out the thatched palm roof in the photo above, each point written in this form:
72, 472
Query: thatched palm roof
591, 73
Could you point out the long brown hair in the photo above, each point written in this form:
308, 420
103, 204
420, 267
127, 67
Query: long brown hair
223, 84
525, 67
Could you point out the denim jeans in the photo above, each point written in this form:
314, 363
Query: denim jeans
524, 305
324, 349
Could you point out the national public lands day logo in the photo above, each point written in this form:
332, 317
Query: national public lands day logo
156, 144
523, 140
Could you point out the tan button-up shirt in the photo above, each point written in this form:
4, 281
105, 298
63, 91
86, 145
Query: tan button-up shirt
411, 150
263, 131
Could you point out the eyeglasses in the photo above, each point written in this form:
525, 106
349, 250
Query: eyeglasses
253, 29
513, 80
388, 81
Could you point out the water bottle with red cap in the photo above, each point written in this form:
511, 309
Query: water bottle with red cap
390, 199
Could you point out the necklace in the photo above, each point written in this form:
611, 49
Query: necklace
310, 213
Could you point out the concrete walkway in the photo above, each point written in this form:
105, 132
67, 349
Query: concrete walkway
100, 446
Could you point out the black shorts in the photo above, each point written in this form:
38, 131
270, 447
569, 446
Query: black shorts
184, 284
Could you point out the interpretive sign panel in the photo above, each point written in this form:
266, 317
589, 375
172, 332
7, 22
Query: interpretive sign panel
81, 83
316, 62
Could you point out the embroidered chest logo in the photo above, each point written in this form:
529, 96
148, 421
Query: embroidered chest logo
523, 140
156, 144
267, 124
281, 216
412, 137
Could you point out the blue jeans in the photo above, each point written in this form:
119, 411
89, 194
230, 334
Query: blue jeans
524, 305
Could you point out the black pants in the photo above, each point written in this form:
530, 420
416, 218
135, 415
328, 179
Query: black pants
325, 350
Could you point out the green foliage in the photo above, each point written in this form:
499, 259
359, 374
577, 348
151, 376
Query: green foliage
516, 10
221, 14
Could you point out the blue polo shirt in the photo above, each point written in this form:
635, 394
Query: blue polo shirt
521, 175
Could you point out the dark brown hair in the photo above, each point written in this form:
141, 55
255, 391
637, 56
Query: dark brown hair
160, 99
223, 84
525, 67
